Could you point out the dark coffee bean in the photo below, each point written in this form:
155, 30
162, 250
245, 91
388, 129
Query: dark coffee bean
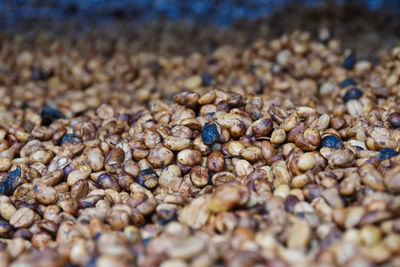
394, 119
70, 139
347, 82
290, 202
14, 174
49, 115
331, 141
352, 94
147, 178
210, 133
350, 61
235, 101
207, 79
8, 185
387, 153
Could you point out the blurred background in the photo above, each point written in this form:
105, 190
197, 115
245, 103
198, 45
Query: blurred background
220, 12
376, 22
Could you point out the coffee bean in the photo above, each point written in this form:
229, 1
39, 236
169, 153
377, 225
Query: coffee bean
331, 141
347, 82
387, 153
350, 61
352, 94
49, 115
210, 133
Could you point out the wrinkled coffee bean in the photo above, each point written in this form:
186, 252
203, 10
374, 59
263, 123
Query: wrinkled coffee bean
8, 184
210, 133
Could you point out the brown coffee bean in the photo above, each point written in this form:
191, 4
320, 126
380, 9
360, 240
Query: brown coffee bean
189, 157
45, 194
114, 159
95, 159
22, 218
216, 162
106, 181
199, 176
262, 127
80, 189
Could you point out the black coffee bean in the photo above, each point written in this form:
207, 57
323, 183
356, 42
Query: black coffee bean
347, 82
8, 185
387, 153
352, 94
49, 115
70, 139
331, 141
350, 61
210, 133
